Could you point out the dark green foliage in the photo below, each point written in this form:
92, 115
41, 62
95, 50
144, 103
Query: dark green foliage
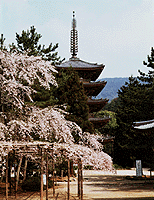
34, 184
61, 166
148, 78
112, 106
134, 99
134, 106
2, 39
28, 41
108, 130
110, 127
70, 91
43, 97
148, 83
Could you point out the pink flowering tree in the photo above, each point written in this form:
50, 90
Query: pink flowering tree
24, 123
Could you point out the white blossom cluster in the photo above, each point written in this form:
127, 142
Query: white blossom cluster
48, 124
18, 68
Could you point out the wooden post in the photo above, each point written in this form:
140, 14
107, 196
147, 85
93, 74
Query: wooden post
9, 173
7, 177
68, 190
41, 196
15, 185
53, 176
17, 176
47, 175
71, 168
25, 167
81, 180
62, 172
79, 183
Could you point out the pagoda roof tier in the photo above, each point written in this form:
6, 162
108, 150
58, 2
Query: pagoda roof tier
85, 69
93, 88
96, 105
99, 122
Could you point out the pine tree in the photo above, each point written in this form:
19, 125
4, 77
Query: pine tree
148, 83
2, 39
133, 107
28, 41
148, 79
70, 91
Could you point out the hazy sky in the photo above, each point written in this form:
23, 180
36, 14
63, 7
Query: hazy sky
117, 33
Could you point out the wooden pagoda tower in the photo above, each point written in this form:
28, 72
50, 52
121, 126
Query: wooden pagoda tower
88, 73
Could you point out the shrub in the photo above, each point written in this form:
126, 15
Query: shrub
34, 184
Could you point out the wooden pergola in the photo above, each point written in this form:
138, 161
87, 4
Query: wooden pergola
44, 148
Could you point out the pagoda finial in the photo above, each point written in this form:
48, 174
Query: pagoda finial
74, 38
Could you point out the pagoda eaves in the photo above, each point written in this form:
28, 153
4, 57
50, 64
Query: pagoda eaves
96, 105
85, 69
99, 122
93, 88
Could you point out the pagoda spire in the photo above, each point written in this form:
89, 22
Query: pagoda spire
74, 38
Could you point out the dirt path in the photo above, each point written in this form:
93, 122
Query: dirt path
98, 186
117, 187
108, 187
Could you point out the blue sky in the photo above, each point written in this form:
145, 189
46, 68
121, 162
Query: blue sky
117, 33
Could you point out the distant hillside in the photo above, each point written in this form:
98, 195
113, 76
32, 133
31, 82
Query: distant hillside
111, 88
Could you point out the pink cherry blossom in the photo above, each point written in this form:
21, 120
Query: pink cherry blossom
36, 124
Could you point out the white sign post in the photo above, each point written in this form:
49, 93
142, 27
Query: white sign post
138, 168
44, 179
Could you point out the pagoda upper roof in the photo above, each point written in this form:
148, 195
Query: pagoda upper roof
85, 69
80, 64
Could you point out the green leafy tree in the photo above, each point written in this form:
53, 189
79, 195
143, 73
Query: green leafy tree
28, 41
70, 91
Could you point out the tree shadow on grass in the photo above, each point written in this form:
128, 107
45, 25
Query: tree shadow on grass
129, 198
118, 183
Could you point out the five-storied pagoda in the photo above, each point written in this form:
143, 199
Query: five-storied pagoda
88, 73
